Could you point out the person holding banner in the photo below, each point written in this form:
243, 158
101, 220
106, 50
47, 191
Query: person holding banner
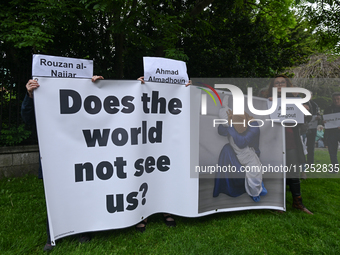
294, 150
332, 135
311, 132
28, 115
168, 65
167, 217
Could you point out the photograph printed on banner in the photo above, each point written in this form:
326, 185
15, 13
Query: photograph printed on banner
235, 160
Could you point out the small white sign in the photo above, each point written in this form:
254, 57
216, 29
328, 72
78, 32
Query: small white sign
332, 120
292, 113
165, 70
61, 67
313, 124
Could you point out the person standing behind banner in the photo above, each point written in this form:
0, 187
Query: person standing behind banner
294, 151
28, 115
332, 135
311, 132
167, 217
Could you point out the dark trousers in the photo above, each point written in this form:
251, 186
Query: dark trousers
294, 186
311, 134
332, 142
292, 178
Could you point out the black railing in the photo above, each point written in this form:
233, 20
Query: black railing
13, 78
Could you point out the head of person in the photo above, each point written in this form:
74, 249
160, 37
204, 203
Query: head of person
336, 99
262, 92
320, 127
241, 122
278, 82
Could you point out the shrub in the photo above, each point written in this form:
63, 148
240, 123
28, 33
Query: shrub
13, 135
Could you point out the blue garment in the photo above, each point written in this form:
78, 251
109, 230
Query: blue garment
251, 137
226, 182
27, 110
233, 184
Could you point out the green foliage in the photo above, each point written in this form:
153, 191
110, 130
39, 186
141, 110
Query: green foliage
323, 18
244, 43
251, 38
323, 101
278, 15
13, 135
6, 96
26, 23
177, 54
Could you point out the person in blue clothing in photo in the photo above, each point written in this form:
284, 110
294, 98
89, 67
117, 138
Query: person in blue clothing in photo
242, 152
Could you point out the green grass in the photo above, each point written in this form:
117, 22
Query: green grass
22, 226
321, 160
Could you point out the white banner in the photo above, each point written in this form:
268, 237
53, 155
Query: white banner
165, 70
292, 113
332, 120
115, 152
61, 67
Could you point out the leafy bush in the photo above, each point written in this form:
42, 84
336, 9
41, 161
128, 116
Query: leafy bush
13, 135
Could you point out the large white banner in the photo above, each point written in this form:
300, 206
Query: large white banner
115, 152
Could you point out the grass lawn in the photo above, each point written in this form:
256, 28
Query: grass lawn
23, 230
